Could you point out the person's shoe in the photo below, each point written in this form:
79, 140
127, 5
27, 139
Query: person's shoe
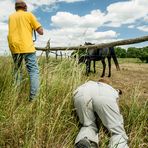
94, 145
32, 99
83, 143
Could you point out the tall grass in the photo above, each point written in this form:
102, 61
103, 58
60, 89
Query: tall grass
51, 121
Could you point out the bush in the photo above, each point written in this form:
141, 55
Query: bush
133, 52
120, 52
143, 56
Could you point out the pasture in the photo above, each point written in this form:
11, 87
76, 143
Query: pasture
51, 122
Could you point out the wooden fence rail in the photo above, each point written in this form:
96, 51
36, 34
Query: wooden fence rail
49, 49
102, 45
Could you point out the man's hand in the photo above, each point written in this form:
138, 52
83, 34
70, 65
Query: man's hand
40, 31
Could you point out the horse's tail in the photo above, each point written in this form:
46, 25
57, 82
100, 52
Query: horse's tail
113, 55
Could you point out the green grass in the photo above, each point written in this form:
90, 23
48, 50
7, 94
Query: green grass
129, 60
51, 121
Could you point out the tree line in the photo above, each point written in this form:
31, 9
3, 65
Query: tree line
133, 52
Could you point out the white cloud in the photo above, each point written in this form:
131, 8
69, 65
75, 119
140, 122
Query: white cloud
3, 26
143, 28
70, 1
46, 8
6, 8
117, 14
33, 4
72, 29
74, 36
131, 26
146, 18
3, 39
66, 19
126, 12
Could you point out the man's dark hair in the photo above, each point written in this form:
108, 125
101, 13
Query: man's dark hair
20, 5
119, 91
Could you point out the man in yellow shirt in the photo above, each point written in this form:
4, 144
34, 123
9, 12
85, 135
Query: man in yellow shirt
21, 26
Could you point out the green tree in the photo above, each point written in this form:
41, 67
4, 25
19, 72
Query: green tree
120, 52
143, 56
133, 52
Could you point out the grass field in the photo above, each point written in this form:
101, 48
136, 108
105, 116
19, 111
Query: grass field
51, 122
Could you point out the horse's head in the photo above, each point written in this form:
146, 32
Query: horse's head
88, 43
83, 59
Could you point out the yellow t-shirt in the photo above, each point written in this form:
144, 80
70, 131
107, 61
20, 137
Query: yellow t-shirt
21, 26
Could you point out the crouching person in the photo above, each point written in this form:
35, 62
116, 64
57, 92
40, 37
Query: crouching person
98, 98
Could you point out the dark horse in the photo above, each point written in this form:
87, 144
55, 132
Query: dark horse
97, 55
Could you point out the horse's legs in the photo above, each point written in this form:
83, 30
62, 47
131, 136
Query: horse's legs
94, 66
109, 66
104, 66
87, 67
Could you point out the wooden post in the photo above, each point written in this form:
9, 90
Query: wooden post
56, 55
47, 50
61, 54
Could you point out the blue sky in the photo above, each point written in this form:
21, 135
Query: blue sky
72, 22
81, 8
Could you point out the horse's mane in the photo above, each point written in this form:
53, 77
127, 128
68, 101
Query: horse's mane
88, 43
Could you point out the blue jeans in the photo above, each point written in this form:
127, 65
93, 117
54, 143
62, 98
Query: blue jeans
32, 68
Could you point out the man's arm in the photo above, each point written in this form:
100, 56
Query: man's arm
35, 24
40, 31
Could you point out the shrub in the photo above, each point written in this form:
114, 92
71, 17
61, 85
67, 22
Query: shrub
143, 56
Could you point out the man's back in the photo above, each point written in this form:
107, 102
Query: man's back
21, 26
99, 89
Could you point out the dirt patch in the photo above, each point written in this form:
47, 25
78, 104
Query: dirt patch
130, 75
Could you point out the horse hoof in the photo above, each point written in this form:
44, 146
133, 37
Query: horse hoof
87, 74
